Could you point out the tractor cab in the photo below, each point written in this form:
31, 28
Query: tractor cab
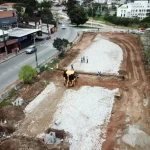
69, 78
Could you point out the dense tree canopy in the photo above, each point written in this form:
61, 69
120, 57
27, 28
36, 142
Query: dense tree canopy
46, 15
46, 4
60, 44
128, 21
35, 9
78, 16
71, 4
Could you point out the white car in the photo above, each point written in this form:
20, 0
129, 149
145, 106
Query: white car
63, 26
148, 29
31, 49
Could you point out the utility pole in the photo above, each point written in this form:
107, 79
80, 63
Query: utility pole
36, 59
4, 40
48, 29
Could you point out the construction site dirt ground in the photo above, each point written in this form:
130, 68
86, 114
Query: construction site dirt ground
129, 109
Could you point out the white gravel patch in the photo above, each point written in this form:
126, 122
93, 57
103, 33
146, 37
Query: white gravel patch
41, 97
136, 138
103, 56
85, 114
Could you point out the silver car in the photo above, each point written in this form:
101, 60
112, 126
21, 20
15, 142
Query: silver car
31, 49
63, 26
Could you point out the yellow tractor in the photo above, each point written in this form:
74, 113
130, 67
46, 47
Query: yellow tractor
69, 78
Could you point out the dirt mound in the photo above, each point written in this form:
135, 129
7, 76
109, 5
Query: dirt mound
46, 75
20, 143
59, 133
6, 130
31, 91
12, 114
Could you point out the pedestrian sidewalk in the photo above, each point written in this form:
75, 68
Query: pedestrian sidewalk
9, 56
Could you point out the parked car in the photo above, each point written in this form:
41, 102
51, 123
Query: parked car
133, 31
142, 29
31, 49
63, 26
48, 37
136, 32
39, 38
140, 32
59, 22
148, 29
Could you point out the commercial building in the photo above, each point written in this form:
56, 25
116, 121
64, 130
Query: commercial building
139, 9
8, 19
16, 38
7, 6
24, 36
7, 45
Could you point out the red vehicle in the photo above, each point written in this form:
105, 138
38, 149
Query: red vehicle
48, 37
142, 29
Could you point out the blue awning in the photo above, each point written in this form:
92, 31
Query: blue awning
9, 20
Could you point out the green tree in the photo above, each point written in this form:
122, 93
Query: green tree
107, 12
71, 4
30, 6
18, 7
46, 4
60, 44
26, 74
45, 13
19, 10
86, 2
78, 16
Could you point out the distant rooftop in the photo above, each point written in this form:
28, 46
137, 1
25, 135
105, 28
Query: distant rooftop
7, 5
20, 32
9, 13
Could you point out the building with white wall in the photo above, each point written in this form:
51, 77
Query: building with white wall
138, 9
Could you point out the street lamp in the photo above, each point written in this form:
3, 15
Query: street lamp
36, 59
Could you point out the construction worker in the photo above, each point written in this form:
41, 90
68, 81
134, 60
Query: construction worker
72, 67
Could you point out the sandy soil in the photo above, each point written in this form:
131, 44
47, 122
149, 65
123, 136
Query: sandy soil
129, 109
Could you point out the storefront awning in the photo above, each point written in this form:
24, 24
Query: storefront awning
9, 42
20, 32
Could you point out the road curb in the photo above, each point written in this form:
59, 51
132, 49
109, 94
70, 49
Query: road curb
11, 57
17, 84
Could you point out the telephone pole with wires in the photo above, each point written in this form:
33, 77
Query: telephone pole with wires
4, 40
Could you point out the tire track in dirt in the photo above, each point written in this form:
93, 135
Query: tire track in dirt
135, 63
134, 88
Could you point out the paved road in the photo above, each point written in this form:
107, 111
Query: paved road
9, 69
